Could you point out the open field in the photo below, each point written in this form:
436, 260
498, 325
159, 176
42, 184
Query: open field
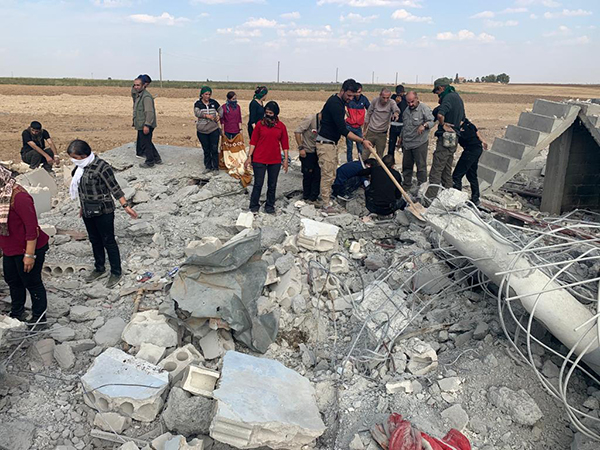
102, 114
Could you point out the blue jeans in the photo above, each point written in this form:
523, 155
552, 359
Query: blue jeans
357, 131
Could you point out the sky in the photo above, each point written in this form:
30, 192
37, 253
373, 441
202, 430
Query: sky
538, 41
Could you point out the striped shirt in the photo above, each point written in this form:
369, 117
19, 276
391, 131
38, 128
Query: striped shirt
97, 185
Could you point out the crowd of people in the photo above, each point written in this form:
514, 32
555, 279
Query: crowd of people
381, 126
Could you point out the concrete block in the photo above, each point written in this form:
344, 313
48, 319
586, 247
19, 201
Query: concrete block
150, 352
150, 327
289, 285
169, 442
317, 236
43, 351
7, 324
510, 148
422, 358
42, 199
537, 122
64, 356
339, 264
110, 421
551, 109
129, 446
216, 343
272, 277
188, 414
50, 230
354, 247
499, 162
80, 313
260, 402
203, 247
110, 333
200, 381
244, 220
122, 383
38, 177
523, 135
177, 361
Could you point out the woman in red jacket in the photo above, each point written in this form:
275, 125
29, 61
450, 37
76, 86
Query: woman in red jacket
24, 248
269, 138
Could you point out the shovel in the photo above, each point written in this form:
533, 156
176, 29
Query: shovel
416, 209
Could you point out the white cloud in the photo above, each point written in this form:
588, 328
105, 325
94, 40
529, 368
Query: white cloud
581, 40
111, 3
513, 10
533, 16
498, 24
567, 13
394, 32
372, 3
484, 15
260, 23
290, 15
164, 19
239, 32
203, 15
402, 14
562, 30
464, 35
357, 18
546, 3
393, 42
326, 31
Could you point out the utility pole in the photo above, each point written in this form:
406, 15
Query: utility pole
160, 65
417, 79
396, 78
373, 77
336, 74
278, 66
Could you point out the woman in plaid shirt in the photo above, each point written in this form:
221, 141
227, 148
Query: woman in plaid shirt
95, 184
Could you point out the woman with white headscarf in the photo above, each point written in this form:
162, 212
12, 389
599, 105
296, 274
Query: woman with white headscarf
94, 183
24, 246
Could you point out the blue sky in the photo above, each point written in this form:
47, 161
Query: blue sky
531, 40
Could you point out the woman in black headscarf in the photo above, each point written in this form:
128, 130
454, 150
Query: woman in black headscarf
257, 110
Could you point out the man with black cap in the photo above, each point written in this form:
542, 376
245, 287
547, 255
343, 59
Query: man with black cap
34, 151
396, 126
144, 121
450, 115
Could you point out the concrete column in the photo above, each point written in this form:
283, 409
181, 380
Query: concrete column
556, 171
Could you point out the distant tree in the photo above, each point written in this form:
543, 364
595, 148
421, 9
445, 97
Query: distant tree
477, 80
456, 78
489, 78
503, 78
446, 80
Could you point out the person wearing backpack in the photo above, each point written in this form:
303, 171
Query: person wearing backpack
473, 144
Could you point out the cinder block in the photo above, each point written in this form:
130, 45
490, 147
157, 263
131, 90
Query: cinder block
150, 352
499, 162
289, 286
524, 135
177, 361
537, 122
339, 264
244, 220
318, 236
200, 381
551, 109
203, 247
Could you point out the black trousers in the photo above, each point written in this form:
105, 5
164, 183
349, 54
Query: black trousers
101, 231
348, 187
467, 165
311, 177
380, 209
34, 159
250, 130
210, 146
147, 148
19, 282
395, 133
260, 170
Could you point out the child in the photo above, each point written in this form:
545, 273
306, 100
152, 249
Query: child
473, 145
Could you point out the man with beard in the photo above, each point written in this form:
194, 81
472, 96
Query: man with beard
144, 121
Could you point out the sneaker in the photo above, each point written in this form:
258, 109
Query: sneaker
159, 161
207, 171
145, 165
344, 198
140, 156
21, 317
476, 202
37, 324
318, 203
270, 210
113, 280
330, 210
94, 275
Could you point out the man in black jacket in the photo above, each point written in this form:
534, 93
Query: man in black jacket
396, 127
333, 126
382, 197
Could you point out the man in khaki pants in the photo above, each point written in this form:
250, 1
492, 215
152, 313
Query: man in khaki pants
333, 126
380, 114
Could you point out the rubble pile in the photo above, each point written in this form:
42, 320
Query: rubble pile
288, 331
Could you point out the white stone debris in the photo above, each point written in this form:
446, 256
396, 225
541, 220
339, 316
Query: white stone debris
177, 361
110, 421
200, 381
203, 247
119, 382
519, 404
150, 327
150, 352
317, 236
263, 403
7, 324
244, 221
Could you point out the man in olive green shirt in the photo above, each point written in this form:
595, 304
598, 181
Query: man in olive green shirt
380, 114
144, 121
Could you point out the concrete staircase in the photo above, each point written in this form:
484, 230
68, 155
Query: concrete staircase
523, 142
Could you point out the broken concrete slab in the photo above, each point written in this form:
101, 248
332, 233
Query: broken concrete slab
317, 236
38, 178
519, 404
422, 358
64, 356
7, 324
42, 351
262, 402
187, 414
284, 263
167, 441
150, 352
216, 343
200, 381
121, 383
17, 435
289, 285
110, 421
80, 313
203, 247
42, 199
456, 416
129, 446
177, 361
150, 327
109, 334
244, 220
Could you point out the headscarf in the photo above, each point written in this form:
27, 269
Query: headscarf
273, 107
231, 104
260, 92
144, 78
7, 184
81, 164
205, 89
447, 90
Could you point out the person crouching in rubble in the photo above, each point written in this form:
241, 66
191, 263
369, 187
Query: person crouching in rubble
382, 197
24, 248
473, 144
269, 138
347, 180
93, 182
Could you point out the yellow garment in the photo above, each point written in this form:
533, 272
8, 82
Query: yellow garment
233, 156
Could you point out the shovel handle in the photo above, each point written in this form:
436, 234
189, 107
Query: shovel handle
402, 191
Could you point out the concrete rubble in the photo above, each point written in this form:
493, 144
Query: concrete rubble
300, 330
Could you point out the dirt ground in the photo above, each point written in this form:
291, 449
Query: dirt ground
102, 115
